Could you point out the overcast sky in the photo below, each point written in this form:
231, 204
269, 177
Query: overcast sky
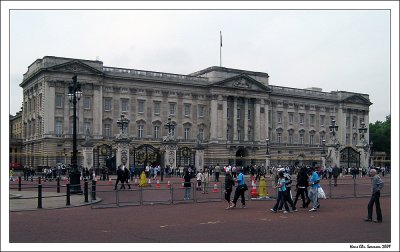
346, 50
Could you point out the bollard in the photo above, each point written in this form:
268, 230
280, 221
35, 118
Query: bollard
355, 193
68, 195
93, 189
58, 185
39, 180
39, 196
19, 183
86, 189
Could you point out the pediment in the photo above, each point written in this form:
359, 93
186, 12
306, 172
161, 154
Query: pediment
242, 82
76, 66
357, 99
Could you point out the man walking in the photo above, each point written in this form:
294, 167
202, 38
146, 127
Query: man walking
313, 193
240, 189
377, 185
335, 174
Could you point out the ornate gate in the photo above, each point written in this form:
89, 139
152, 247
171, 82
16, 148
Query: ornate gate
349, 157
145, 154
103, 156
185, 157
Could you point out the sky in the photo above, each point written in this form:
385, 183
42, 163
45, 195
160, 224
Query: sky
341, 45
345, 50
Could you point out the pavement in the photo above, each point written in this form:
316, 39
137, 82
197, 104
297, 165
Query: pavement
27, 200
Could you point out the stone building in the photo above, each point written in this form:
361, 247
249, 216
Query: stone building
16, 157
227, 113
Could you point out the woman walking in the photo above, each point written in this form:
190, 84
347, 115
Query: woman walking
229, 183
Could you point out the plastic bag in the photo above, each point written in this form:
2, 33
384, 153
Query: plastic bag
321, 193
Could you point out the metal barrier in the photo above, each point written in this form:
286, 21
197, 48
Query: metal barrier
174, 193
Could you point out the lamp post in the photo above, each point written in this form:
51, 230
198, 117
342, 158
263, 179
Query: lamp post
170, 126
333, 127
74, 96
362, 130
123, 124
267, 141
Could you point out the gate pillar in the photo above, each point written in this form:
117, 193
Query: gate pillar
122, 155
169, 149
87, 152
199, 158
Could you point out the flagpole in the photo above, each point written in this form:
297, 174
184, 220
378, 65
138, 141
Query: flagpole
220, 49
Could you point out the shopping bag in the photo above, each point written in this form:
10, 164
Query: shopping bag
321, 193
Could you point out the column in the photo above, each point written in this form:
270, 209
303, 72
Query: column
266, 113
214, 118
257, 121
246, 121
224, 117
235, 136
340, 121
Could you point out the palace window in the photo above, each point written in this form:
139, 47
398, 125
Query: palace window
186, 135
59, 101
156, 132
107, 104
140, 106
301, 121
279, 116
124, 105
187, 109
87, 102
156, 107
172, 108
140, 131
59, 126
201, 110
107, 130
290, 118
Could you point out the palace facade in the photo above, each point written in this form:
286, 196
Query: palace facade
228, 113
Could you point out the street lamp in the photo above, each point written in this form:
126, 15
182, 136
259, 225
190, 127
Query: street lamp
170, 126
267, 141
323, 147
74, 95
123, 124
362, 130
333, 127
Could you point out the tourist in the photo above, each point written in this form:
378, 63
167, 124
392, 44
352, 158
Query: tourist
377, 185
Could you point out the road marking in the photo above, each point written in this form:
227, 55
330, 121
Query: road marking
164, 226
210, 222
105, 231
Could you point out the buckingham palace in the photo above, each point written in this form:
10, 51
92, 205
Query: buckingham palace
230, 116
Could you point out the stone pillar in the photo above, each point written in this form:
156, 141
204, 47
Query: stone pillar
122, 157
266, 113
235, 136
246, 121
267, 161
257, 121
87, 152
170, 154
199, 159
214, 118
333, 156
224, 117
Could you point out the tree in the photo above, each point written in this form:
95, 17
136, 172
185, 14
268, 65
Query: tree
379, 134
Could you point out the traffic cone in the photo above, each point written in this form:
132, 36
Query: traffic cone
215, 190
136, 181
253, 191
109, 181
183, 182
158, 183
169, 184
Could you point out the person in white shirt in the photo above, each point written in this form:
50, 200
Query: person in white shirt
199, 178
205, 180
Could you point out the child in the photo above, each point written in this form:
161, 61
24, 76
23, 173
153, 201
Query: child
199, 177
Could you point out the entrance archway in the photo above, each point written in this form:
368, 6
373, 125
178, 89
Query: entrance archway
241, 155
